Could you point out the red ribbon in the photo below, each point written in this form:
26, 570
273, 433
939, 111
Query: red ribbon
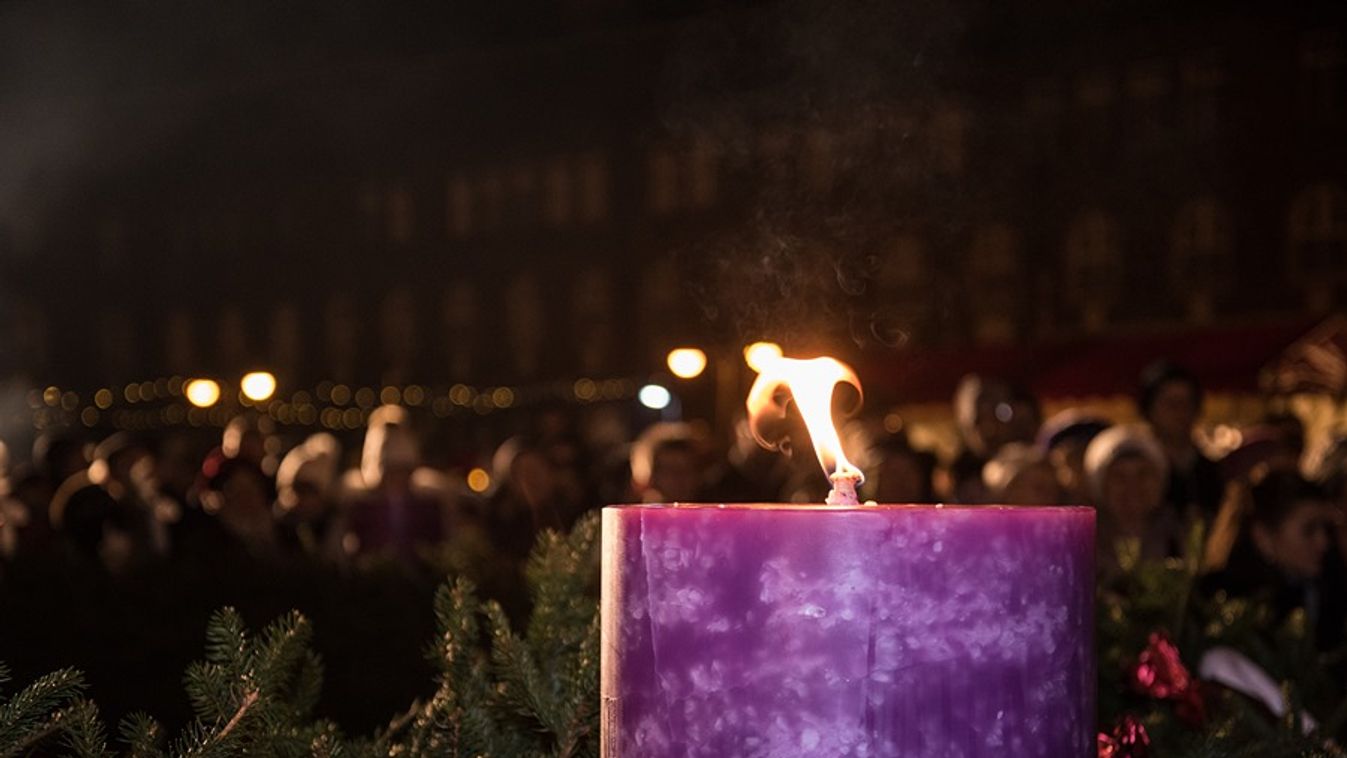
1127, 740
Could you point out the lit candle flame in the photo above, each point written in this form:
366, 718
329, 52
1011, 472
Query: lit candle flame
811, 384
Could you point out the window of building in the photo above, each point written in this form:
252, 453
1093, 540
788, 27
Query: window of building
1094, 267
948, 135
179, 346
558, 188
491, 197
1201, 245
460, 319
1322, 61
661, 180
459, 206
1318, 233
401, 215
523, 191
591, 309
816, 160
702, 169
1148, 86
594, 187
1201, 78
995, 282
525, 323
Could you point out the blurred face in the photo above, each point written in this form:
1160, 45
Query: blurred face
1035, 485
901, 480
1133, 489
674, 475
1068, 459
532, 477
306, 501
1174, 412
994, 417
1297, 545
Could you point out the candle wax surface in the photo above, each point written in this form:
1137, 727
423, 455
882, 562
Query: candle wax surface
768, 631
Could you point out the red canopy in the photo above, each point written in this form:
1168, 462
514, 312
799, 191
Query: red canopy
1222, 358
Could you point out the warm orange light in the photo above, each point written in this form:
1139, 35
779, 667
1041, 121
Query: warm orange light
759, 354
479, 480
258, 386
203, 393
687, 362
810, 384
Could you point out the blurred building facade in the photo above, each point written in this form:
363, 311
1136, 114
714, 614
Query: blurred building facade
573, 203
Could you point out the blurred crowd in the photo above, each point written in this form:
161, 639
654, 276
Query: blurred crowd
1261, 520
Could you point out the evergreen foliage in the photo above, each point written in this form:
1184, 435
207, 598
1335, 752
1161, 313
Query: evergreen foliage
505, 694
499, 695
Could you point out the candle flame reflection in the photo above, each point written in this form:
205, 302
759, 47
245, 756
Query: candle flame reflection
810, 383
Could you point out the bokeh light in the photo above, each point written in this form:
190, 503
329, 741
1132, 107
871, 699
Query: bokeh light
258, 385
759, 354
479, 480
655, 397
687, 362
203, 393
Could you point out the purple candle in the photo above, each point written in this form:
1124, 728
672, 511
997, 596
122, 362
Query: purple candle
766, 631
845, 630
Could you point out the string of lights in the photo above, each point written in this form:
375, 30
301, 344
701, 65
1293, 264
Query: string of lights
176, 401
210, 402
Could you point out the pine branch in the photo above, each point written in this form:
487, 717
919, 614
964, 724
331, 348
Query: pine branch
141, 735
36, 712
84, 733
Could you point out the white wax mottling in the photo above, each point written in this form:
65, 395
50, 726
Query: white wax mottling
851, 636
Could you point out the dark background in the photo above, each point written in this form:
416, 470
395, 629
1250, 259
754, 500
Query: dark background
511, 192
385, 195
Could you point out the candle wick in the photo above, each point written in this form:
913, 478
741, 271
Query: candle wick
844, 488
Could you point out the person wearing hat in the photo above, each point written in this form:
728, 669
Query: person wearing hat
1285, 555
397, 515
104, 511
1063, 439
1127, 469
1021, 474
1170, 400
306, 482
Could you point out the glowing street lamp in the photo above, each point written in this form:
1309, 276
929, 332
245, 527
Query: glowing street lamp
687, 362
203, 393
759, 354
258, 386
655, 397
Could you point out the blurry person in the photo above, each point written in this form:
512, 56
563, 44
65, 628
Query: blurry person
1285, 555
28, 492
107, 511
990, 413
749, 472
393, 515
1021, 474
306, 483
1331, 474
56, 458
1170, 400
665, 465
675, 471
243, 440
177, 461
1288, 432
901, 473
526, 499
13, 513
1064, 438
1275, 445
1127, 470
233, 490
